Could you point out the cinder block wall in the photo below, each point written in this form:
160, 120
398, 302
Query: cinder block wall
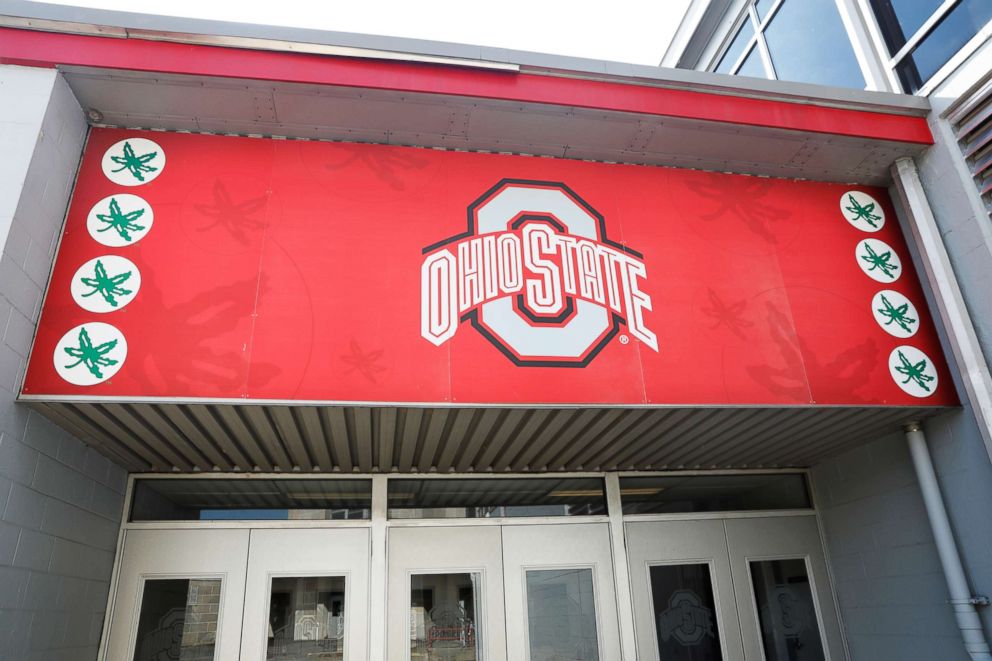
60, 501
887, 575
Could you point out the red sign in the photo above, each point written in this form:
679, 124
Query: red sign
237, 268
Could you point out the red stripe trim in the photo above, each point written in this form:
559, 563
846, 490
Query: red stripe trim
48, 49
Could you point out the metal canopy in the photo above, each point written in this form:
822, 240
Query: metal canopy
269, 108
248, 437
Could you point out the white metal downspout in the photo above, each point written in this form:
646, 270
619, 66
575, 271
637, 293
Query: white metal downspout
962, 601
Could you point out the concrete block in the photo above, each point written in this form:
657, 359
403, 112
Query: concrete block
72, 452
47, 631
26, 507
904, 648
60, 481
17, 460
17, 244
117, 478
106, 502
10, 369
8, 542
19, 333
79, 630
72, 593
38, 262
43, 435
15, 285
13, 417
42, 592
96, 465
904, 531
75, 524
81, 561
902, 561
34, 550
13, 582
14, 624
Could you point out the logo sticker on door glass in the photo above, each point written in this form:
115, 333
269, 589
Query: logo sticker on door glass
90, 353
120, 220
133, 162
105, 284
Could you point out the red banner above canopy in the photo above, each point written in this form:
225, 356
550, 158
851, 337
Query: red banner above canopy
236, 268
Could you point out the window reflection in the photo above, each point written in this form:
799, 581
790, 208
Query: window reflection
808, 43
443, 624
789, 628
561, 615
948, 37
178, 620
306, 618
685, 613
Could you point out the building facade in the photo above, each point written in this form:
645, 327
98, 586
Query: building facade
322, 345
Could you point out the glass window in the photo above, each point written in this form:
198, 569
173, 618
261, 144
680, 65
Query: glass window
948, 37
306, 618
202, 500
789, 628
685, 613
762, 7
736, 48
808, 43
442, 617
900, 19
489, 498
713, 493
752, 65
561, 615
178, 620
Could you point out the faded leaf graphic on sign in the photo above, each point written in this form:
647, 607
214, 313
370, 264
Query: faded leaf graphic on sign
236, 218
728, 315
742, 202
365, 363
848, 371
384, 163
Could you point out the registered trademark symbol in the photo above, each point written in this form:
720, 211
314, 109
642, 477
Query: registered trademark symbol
624, 339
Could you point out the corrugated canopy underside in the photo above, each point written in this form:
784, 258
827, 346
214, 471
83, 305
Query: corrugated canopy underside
362, 439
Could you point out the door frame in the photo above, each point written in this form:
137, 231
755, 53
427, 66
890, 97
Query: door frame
379, 525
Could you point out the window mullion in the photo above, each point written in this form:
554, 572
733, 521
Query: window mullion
766, 57
924, 30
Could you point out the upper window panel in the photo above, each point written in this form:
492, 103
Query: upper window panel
250, 499
808, 43
806, 39
950, 35
900, 19
493, 498
736, 48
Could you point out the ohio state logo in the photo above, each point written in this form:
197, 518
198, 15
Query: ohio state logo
537, 276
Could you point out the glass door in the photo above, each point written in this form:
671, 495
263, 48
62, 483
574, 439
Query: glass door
445, 594
179, 596
306, 595
783, 594
560, 596
682, 591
